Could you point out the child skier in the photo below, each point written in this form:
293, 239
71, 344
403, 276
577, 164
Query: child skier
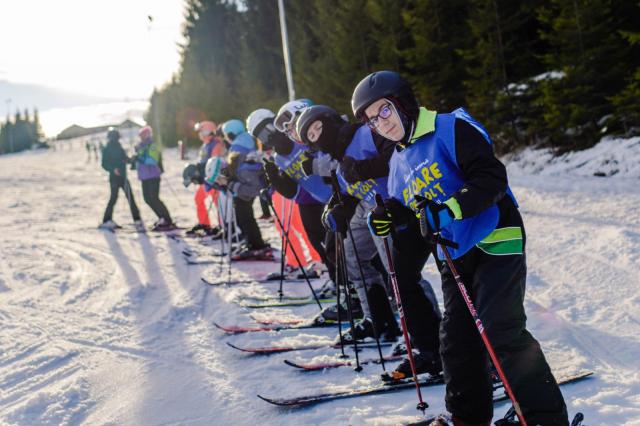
148, 162
285, 174
448, 159
114, 160
243, 178
212, 146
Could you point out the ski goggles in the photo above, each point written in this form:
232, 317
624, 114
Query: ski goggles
384, 112
284, 121
265, 133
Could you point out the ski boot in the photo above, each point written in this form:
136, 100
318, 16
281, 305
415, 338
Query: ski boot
511, 418
329, 315
361, 330
265, 253
139, 225
312, 274
327, 291
109, 225
425, 362
163, 225
441, 420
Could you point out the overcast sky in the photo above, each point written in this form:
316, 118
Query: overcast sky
98, 47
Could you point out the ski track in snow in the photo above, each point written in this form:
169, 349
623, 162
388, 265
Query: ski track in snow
101, 328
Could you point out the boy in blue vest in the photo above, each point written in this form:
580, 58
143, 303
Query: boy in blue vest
362, 173
448, 159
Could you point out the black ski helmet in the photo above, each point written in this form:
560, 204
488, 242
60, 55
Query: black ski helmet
384, 84
190, 174
332, 121
113, 134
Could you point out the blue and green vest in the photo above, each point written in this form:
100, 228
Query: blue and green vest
362, 147
291, 164
428, 167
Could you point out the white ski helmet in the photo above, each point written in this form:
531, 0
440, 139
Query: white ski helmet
289, 112
212, 169
256, 119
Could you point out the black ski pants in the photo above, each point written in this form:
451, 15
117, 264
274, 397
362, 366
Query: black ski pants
311, 216
422, 315
247, 223
496, 285
151, 195
116, 183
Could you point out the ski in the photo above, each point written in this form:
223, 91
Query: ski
270, 298
371, 390
250, 281
326, 365
268, 350
392, 387
234, 329
286, 303
202, 261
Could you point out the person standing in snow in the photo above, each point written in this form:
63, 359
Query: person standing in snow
243, 178
448, 160
114, 160
212, 146
285, 174
363, 171
148, 162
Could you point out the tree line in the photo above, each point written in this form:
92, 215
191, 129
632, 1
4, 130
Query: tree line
556, 73
21, 132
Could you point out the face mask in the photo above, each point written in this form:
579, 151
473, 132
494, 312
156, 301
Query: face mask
280, 143
328, 140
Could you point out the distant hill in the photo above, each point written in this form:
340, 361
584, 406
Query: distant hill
25, 95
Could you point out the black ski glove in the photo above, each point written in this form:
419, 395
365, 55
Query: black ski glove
349, 168
271, 170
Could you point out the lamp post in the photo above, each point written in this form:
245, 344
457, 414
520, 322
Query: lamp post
285, 50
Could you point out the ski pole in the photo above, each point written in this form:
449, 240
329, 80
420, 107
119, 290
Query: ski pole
364, 283
222, 226
284, 244
336, 191
345, 281
295, 255
396, 291
338, 281
229, 236
472, 310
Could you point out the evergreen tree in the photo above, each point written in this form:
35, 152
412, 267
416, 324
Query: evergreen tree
587, 51
439, 31
503, 51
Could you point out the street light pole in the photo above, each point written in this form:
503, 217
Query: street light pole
285, 50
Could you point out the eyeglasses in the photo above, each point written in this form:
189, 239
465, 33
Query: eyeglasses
204, 133
385, 112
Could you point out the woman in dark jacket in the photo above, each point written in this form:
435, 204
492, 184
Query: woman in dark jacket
114, 160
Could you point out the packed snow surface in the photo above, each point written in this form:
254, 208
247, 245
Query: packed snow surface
102, 328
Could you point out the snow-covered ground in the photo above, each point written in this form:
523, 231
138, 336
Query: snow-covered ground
99, 328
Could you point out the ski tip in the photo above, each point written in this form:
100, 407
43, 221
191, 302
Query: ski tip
292, 364
235, 347
269, 400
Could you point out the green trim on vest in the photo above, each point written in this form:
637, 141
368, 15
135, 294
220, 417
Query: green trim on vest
504, 234
426, 123
503, 241
454, 206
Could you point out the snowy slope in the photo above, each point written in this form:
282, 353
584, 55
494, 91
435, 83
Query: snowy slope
98, 328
